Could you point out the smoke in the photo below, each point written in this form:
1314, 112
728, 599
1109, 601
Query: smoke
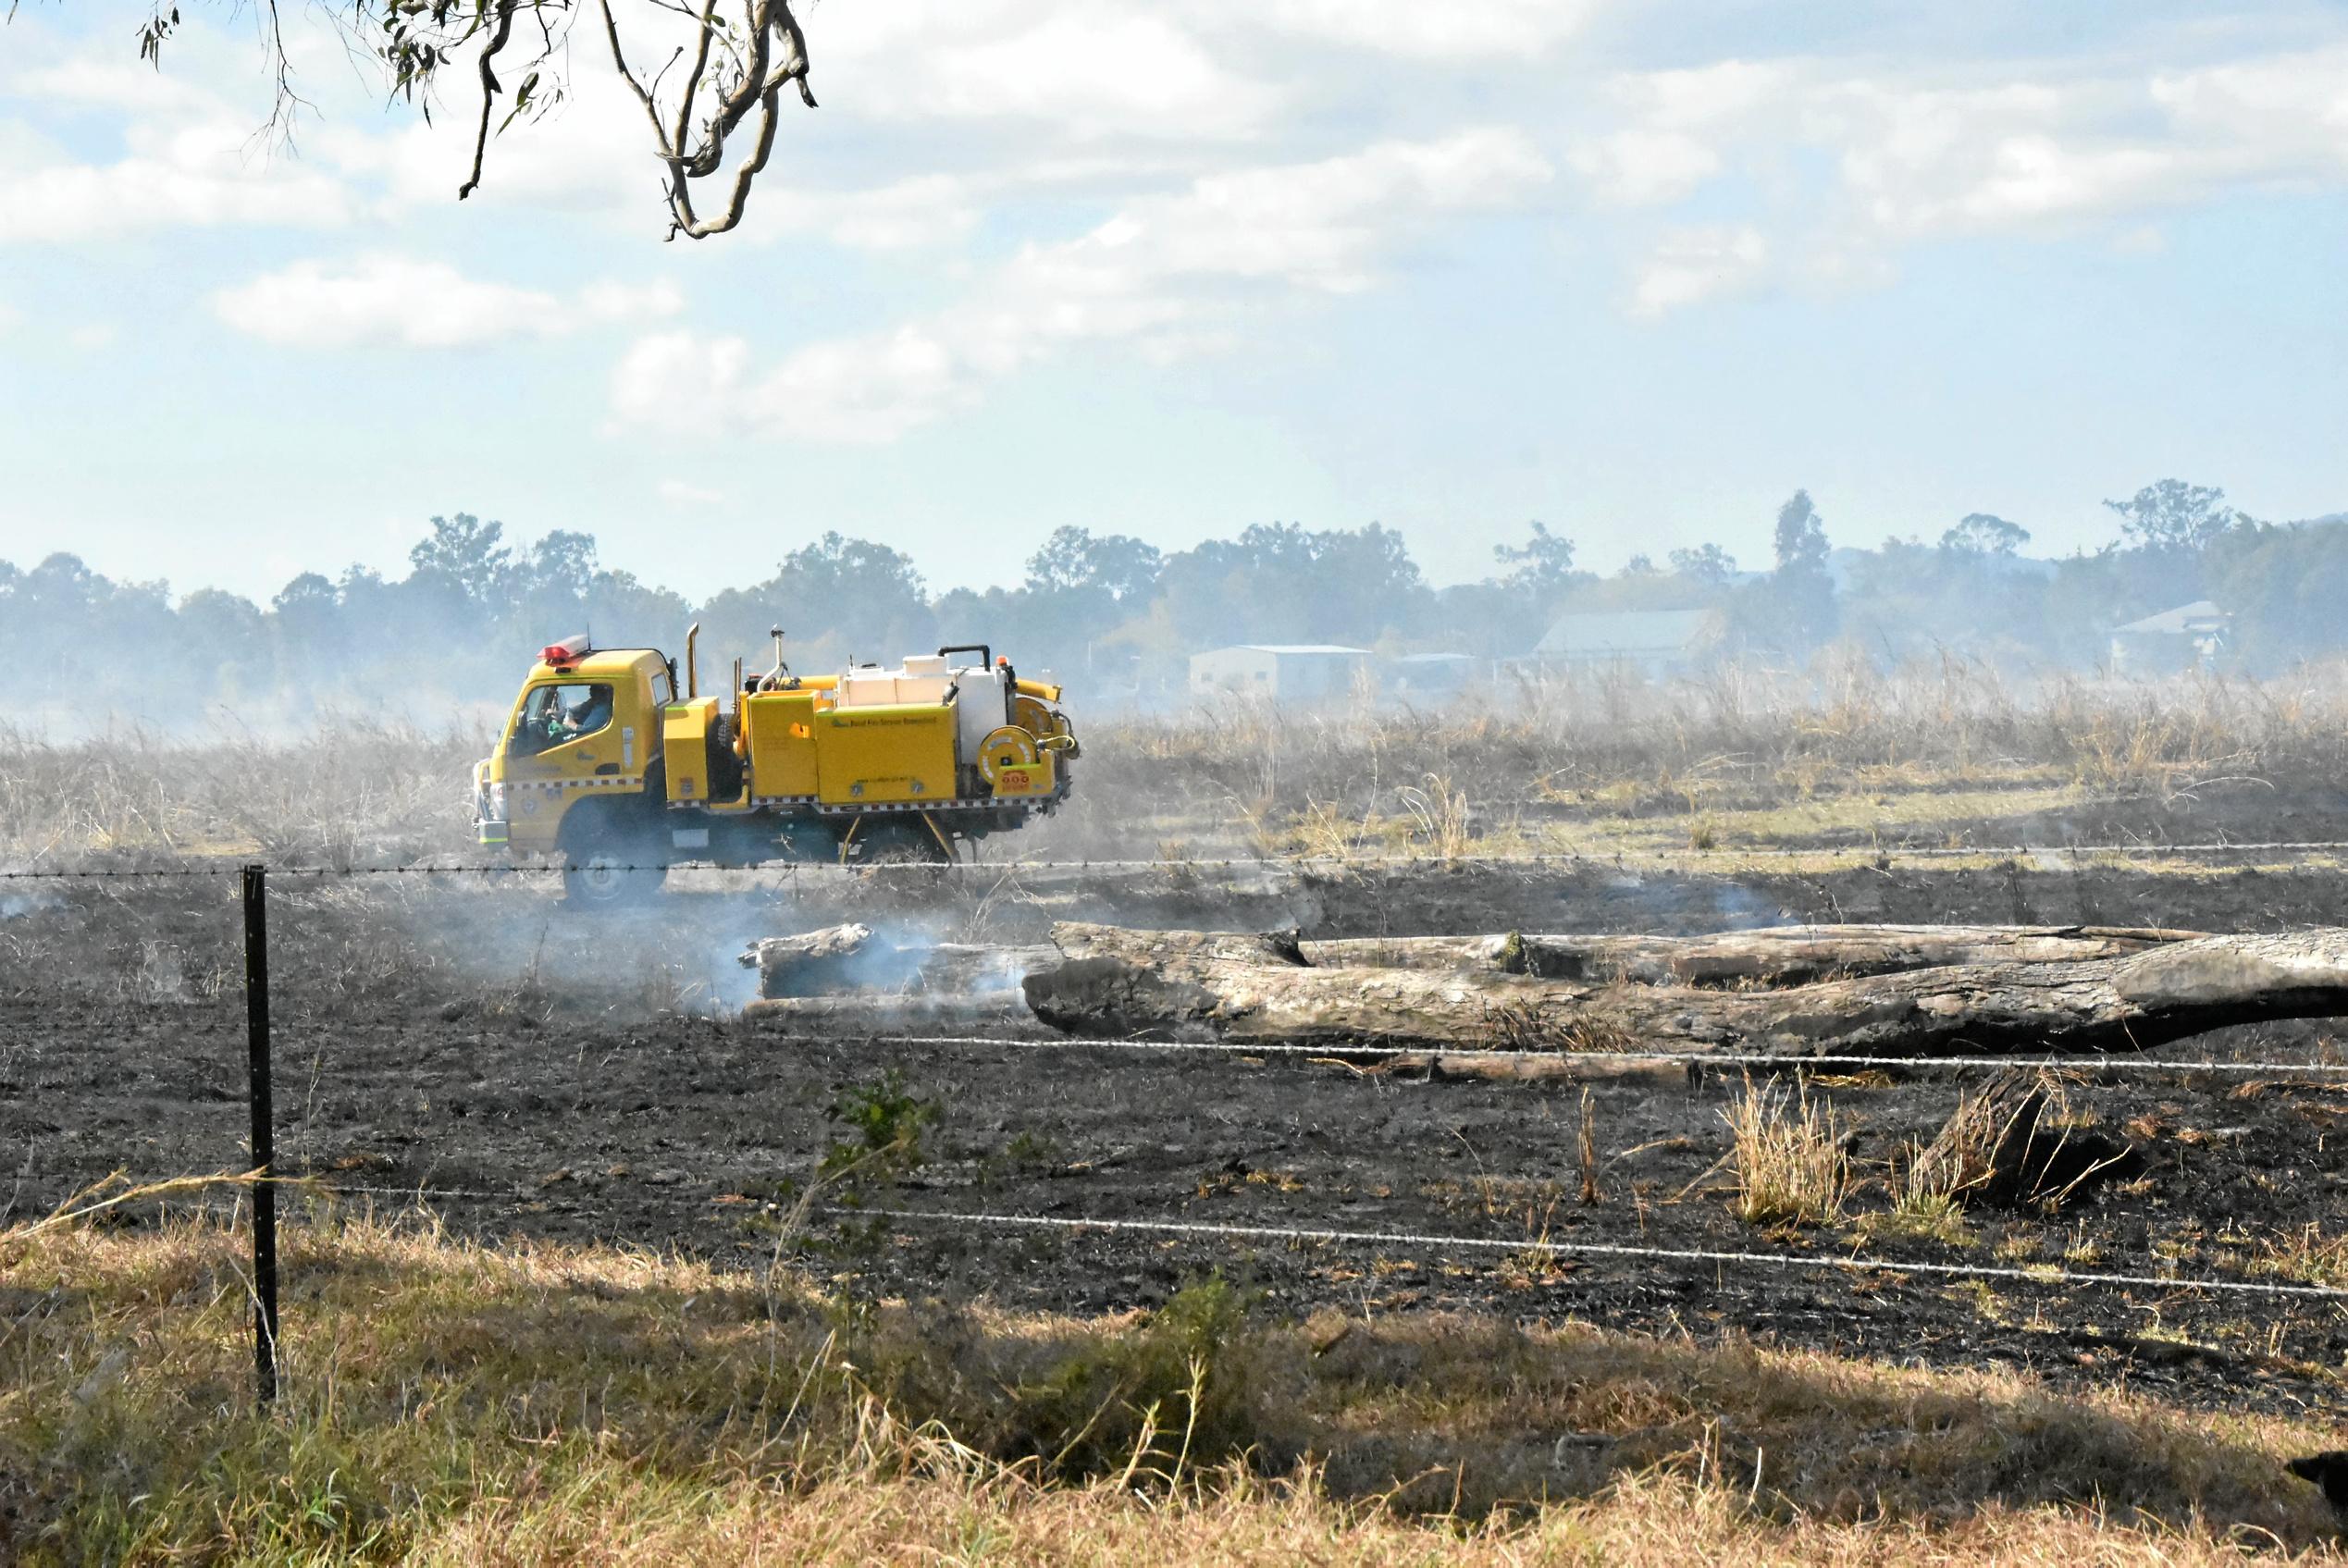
1736, 907
680, 950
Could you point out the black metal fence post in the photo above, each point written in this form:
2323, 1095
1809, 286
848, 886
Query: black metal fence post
265, 1191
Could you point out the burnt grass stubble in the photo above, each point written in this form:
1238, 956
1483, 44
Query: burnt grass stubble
452, 1035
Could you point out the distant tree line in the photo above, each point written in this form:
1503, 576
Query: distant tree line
1118, 614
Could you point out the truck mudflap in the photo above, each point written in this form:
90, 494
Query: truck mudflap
492, 833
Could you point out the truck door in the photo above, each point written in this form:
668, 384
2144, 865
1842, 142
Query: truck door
570, 740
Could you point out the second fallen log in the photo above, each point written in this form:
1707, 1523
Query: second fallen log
1247, 989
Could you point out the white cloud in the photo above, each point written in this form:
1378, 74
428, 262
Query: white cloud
630, 301
1935, 161
664, 375
385, 300
683, 493
95, 335
912, 214
1084, 67
190, 157
399, 301
1166, 275
111, 81
1941, 150
1456, 31
1695, 265
9, 316
1643, 168
200, 174
1724, 92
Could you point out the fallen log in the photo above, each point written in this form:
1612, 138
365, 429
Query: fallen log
1243, 989
1767, 956
811, 962
955, 967
845, 958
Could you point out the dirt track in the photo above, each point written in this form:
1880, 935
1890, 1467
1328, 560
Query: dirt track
485, 1041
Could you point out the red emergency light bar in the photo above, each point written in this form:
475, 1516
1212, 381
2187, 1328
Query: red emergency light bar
567, 652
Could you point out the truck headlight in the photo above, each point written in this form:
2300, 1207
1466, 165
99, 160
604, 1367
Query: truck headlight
490, 802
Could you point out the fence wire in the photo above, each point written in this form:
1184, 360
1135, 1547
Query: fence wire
1338, 1052
1868, 852
1860, 1265
1437, 1241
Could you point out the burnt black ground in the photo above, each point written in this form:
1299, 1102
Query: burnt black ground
475, 1039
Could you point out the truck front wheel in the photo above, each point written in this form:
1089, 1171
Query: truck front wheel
605, 864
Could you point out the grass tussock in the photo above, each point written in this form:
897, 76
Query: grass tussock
1788, 1154
2305, 1255
450, 1402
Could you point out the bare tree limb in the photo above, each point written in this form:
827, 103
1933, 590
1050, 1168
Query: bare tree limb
692, 77
620, 62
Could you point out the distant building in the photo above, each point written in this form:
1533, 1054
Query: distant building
2188, 637
1654, 642
1286, 672
1429, 675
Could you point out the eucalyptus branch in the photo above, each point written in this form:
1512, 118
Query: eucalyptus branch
489, 90
729, 82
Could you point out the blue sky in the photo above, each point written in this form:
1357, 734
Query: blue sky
1637, 270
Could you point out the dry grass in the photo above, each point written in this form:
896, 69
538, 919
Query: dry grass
1740, 757
1929, 1198
2306, 1254
355, 792
954, 1519
1438, 817
447, 1403
1788, 1156
1601, 764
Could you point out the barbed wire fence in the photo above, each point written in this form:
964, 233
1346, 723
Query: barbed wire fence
264, 1180
1725, 857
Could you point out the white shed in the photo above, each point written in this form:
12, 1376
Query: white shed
1285, 671
2188, 637
1656, 642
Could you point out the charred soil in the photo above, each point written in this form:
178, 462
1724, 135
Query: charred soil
530, 1069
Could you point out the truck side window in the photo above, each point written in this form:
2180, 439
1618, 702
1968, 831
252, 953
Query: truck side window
556, 715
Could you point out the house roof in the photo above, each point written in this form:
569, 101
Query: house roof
2201, 615
1630, 632
1282, 647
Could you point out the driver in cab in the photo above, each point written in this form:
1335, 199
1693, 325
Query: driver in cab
590, 714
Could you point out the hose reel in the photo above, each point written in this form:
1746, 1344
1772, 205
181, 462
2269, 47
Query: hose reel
1006, 747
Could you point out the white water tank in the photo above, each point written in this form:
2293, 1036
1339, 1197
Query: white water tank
983, 707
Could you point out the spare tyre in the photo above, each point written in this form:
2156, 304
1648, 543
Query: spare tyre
725, 767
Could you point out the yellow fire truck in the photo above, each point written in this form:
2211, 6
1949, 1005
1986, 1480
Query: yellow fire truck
604, 764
